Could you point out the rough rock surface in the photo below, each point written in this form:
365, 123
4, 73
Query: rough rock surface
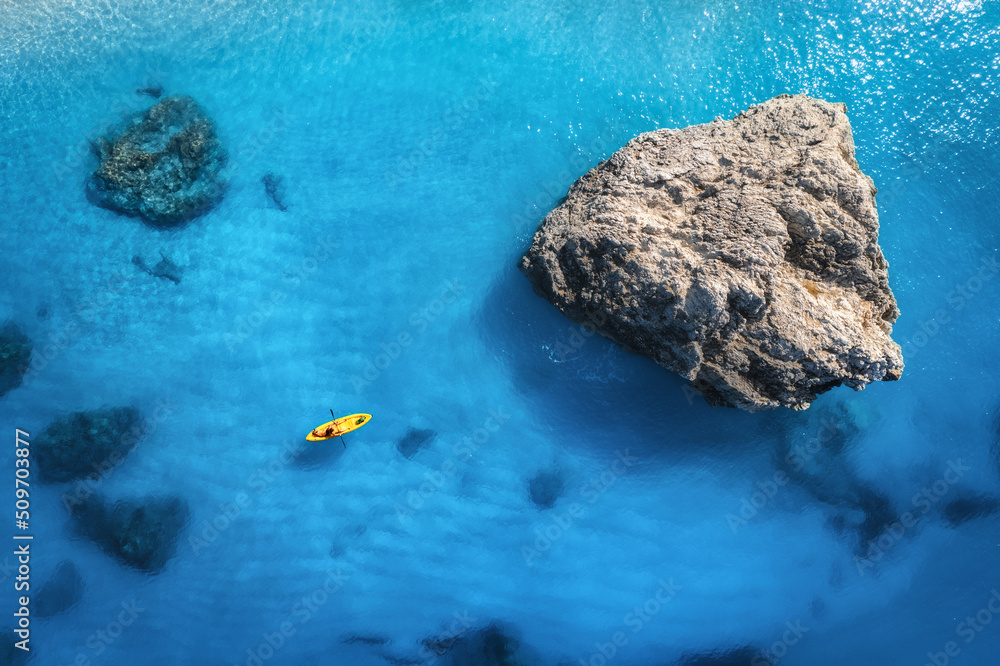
742, 254
163, 164
15, 355
86, 444
140, 533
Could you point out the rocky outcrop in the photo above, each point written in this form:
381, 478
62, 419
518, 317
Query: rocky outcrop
140, 533
741, 254
164, 164
15, 356
86, 444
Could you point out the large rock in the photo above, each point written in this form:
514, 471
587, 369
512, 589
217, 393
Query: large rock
742, 254
140, 533
15, 355
163, 164
86, 444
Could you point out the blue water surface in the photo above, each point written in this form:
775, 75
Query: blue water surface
422, 141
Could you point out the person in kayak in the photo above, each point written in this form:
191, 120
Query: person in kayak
330, 430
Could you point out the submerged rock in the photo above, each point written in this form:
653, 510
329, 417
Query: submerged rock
140, 533
11, 655
15, 355
366, 639
995, 445
878, 512
164, 164
740, 656
414, 440
61, 592
165, 268
86, 444
274, 187
545, 489
154, 90
969, 507
741, 254
493, 645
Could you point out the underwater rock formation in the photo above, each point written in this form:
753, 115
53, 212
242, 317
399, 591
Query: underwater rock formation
995, 445
493, 645
140, 533
545, 489
164, 268
969, 507
414, 440
365, 639
15, 356
740, 656
163, 164
274, 187
61, 592
741, 254
86, 444
10, 655
878, 513
154, 90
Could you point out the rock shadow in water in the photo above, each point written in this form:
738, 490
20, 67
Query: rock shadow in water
314, 455
573, 371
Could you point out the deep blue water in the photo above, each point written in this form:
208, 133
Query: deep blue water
424, 141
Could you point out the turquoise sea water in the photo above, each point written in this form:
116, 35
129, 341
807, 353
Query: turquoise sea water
422, 142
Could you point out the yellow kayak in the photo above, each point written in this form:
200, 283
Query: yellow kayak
338, 427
